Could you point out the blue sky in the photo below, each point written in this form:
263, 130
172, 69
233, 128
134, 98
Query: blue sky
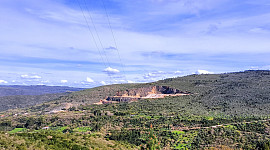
48, 41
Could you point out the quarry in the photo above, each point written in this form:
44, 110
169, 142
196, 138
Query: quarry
152, 92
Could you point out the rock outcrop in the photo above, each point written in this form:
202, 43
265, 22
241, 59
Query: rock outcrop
144, 91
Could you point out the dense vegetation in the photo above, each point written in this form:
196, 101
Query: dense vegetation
249, 90
225, 111
50, 139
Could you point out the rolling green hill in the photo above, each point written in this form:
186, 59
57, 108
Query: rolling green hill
234, 93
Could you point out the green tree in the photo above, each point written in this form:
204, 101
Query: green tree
151, 141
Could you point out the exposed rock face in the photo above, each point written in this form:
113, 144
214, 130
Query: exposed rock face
143, 93
166, 90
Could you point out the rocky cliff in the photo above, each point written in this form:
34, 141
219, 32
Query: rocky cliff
144, 91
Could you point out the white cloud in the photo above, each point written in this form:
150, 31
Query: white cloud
160, 75
46, 81
178, 72
64, 81
110, 70
3, 81
89, 80
117, 81
203, 72
41, 84
149, 75
156, 74
103, 83
25, 76
129, 81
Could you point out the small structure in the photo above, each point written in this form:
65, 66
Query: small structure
46, 128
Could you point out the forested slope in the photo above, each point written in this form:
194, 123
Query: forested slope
233, 93
237, 93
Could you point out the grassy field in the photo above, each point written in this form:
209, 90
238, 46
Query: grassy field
16, 130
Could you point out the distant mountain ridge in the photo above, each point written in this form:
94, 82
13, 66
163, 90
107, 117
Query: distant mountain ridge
22, 101
13, 90
20, 96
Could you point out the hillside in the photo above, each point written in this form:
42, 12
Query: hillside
18, 96
222, 111
236, 93
22, 101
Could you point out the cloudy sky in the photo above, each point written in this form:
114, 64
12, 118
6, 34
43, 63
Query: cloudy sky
87, 43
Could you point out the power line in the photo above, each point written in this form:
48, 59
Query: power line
99, 39
114, 39
102, 47
88, 26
